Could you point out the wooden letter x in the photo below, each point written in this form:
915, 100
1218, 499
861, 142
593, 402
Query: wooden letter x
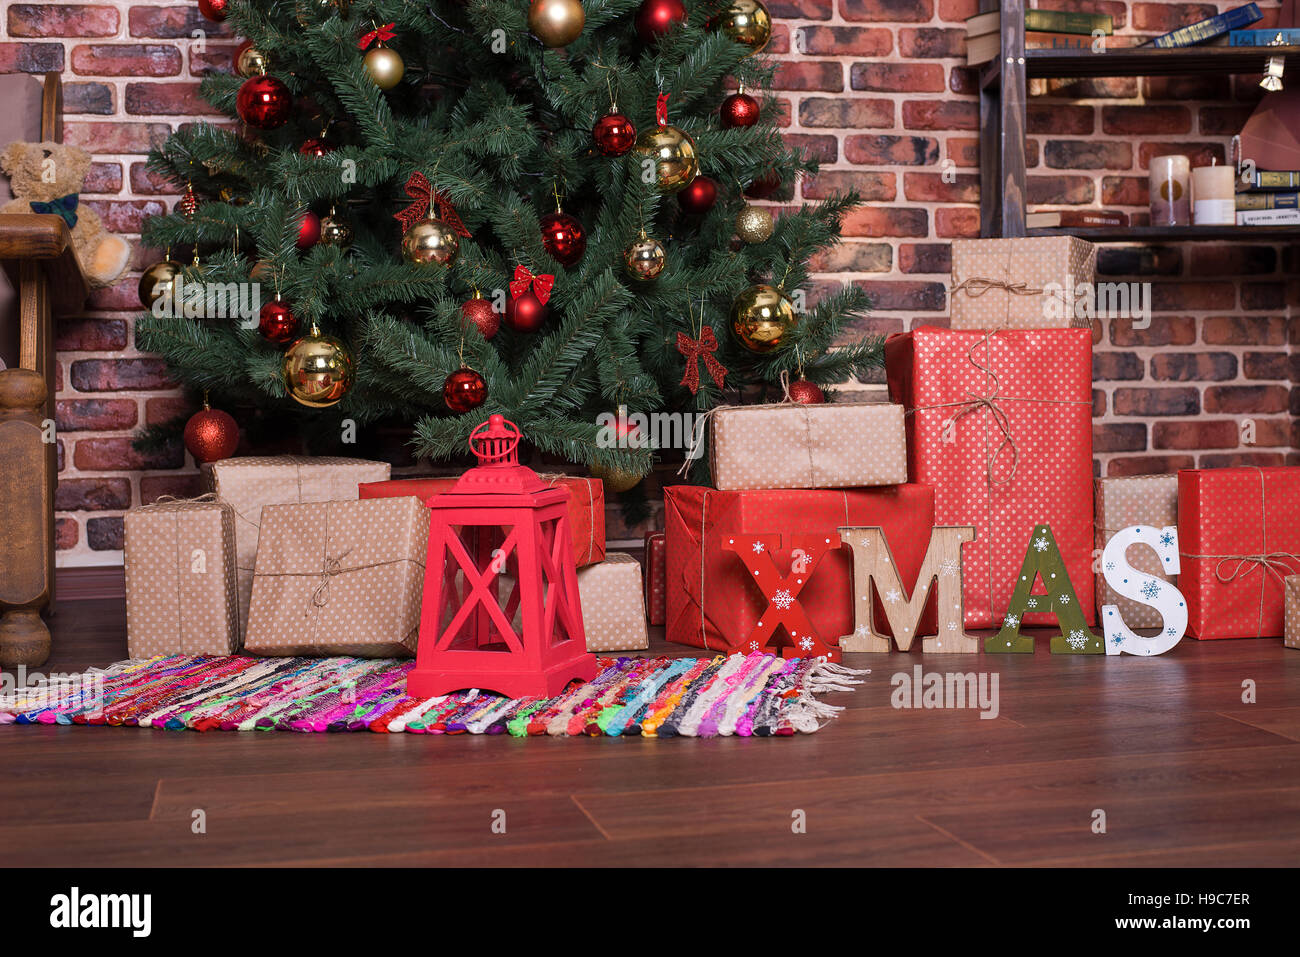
782, 592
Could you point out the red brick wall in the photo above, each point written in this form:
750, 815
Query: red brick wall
879, 90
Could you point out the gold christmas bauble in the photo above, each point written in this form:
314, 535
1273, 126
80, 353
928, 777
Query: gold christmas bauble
616, 479
159, 282
430, 241
673, 152
747, 22
384, 66
556, 23
761, 317
251, 62
645, 259
318, 370
335, 231
754, 224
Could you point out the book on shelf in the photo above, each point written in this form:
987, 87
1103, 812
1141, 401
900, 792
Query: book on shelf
1074, 218
1277, 200
1064, 21
1262, 38
1267, 179
1268, 217
984, 48
1208, 29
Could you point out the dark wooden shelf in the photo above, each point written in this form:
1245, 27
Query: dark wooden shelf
1174, 234
1149, 61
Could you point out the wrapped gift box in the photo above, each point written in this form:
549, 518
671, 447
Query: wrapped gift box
613, 612
711, 601
1238, 538
1137, 500
250, 482
1021, 283
339, 578
1291, 624
656, 580
586, 506
180, 579
788, 445
1000, 424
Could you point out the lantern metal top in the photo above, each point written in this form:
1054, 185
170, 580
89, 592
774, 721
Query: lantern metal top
495, 443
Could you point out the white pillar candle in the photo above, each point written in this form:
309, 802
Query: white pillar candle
1170, 191
1213, 196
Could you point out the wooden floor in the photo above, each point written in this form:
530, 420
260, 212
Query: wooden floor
1186, 773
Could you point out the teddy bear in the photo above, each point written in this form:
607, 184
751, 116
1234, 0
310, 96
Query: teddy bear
47, 178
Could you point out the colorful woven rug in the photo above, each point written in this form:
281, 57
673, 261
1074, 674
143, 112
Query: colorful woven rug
743, 695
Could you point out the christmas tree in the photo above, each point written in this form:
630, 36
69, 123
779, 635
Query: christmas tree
586, 169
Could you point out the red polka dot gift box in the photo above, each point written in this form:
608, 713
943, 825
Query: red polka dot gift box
999, 424
1238, 542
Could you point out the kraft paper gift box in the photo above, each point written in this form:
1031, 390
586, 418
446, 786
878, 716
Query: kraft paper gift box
1000, 425
712, 601
1121, 503
180, 579
250, 482
656, 578
1024, 283
1238, 539
613, 612
339, 578
1292, 616
586, 506
789, 445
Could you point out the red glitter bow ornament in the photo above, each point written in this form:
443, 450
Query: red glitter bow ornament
421, 190
697, 350
661, 109
541, 285
382, 34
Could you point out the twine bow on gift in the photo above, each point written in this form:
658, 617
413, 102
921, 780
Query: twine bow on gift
700, 350
424, 197
524, 279
329, 568
382, 34
976, 286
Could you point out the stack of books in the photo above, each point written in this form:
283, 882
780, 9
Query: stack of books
1208, 29
1044, 30
1269, 198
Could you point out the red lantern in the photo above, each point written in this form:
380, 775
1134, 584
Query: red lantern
699, 196
522, 635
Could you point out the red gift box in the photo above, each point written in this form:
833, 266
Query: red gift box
1000, 424
586, 506
656, 579
1238, 539
712, 603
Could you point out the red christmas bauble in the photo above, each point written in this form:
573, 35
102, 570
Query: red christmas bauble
264, 102
764, 186
739, 109
277, 323
215, 10
699, 196
463, 390
211, 434
315, 146
525, 313
564, 237
614, 134
308, 230
806, 393
480, 312
657, 17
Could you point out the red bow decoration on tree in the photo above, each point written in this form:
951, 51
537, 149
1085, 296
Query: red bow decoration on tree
382, 34
421, 190
696, 350
661, 109
541, 285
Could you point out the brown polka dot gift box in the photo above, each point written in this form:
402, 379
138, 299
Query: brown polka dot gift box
1238, 540
1119, 504
789, 445
248, 483
1291, 623
180, 579
1000, 425
339, 578
1027, 283
613, 610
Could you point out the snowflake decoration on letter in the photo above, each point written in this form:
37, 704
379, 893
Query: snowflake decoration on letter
783, 599
758, 547
806, 644
1078, 639
1032, 603
753, 646
1040, 544
1065, 599
949, 566
1117, 639
893, 595
1151, 589
1011, 621
1167, 539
